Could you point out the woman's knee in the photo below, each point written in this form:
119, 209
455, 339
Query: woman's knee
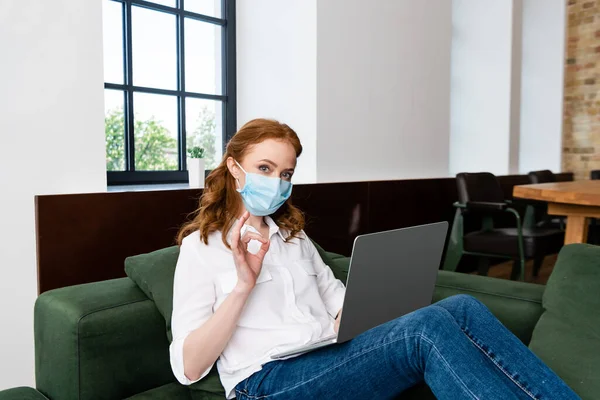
463, 307
428, 318
462, 301
429, 322
430, 326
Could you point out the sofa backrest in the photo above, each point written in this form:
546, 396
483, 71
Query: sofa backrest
567, 337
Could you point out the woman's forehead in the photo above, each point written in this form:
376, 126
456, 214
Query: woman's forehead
280, 152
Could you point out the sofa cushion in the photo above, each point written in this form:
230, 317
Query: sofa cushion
212, 391
209, 387
337, 262
567, 336
165, 392
154, 273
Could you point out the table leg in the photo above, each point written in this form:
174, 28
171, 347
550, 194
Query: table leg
577, 229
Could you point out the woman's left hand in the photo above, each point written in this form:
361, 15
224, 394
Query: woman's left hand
336, 325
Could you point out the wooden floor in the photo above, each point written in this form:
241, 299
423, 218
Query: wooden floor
503, 270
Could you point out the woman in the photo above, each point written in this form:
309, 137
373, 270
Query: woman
248, 285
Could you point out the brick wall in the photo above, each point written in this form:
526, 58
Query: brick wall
581, 126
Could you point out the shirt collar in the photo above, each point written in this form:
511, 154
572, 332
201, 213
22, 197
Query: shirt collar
274, 228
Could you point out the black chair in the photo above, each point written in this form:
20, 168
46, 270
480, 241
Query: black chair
544, 176
537, 211
481, 197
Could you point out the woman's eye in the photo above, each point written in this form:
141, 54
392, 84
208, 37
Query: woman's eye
287, 175
264, 168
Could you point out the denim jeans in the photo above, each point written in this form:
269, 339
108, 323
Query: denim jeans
456, 346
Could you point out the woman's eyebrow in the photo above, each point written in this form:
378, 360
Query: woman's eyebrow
275, 165
269, 161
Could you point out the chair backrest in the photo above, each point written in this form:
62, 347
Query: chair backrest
544, 176
480, 186
595, 174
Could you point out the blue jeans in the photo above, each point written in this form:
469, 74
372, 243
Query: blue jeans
456, 346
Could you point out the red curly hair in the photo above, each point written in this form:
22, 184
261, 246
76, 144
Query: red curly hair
220, 202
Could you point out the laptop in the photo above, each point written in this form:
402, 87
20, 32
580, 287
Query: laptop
391, 274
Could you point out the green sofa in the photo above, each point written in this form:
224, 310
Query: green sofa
107, 340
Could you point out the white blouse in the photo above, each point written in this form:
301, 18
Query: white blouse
295, 301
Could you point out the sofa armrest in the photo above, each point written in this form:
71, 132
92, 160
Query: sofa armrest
21, 393
518, 305
99, 340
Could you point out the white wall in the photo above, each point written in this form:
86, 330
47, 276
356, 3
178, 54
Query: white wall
276, 70
481, 86
542, 85
372, 102
52, 141
366, 88
507, 85
383, 89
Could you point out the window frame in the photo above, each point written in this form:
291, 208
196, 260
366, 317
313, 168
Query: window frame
228, 96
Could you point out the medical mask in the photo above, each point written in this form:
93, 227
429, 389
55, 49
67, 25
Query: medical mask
263, 195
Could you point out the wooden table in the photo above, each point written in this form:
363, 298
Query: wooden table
578, 200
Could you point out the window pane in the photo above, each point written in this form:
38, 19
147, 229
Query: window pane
154, 49
206, 7
203, 65
114, 128
170, 3
205, 128
155, 132
112, 22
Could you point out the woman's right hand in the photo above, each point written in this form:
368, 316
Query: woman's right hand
248, 265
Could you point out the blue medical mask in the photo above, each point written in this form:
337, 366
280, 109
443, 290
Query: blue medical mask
263, 195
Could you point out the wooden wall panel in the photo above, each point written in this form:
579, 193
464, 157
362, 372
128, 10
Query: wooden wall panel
335, 213
86, 237
398, 204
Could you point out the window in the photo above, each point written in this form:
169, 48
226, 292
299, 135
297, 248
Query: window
169, 73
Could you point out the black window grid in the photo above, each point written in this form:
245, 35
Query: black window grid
228, 84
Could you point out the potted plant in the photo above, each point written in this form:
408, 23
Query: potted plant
196, 166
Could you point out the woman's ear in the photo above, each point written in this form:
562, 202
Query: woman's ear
232, 167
